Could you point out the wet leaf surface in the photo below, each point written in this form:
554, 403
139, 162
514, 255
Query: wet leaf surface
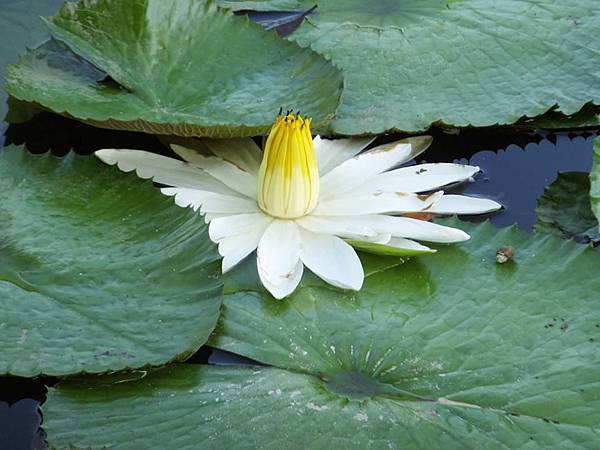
448, 350
595, 180
408, 64
98, 271
167, 72
565, 210
20, 26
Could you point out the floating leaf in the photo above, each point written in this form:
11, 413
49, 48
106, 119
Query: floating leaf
98, 271
565, 210
444, 351
595, 180
176, 67
20, 26
587, 117
408, 64
283, 22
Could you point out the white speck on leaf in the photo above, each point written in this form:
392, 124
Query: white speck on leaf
361, 417
311, 405
23, 337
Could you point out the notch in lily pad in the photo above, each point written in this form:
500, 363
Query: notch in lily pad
283, 22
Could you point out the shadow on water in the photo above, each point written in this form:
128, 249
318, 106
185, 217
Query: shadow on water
19, 417
516, 177
516, 167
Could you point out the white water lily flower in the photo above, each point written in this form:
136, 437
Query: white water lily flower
308, 202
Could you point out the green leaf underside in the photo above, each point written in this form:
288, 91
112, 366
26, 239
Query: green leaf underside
98, 270
595, 180
587, 117
450, 350
564, 209
413, 63
180, 67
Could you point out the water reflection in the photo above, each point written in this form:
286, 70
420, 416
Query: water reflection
517, 176
19, 417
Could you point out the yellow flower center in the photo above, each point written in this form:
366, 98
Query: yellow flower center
288, 179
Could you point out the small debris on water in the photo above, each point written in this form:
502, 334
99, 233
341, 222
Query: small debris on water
504, 254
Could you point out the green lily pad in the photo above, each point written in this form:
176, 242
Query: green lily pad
20, 26
409, 64
176, 67
98, 270
445, 351
595, 180
565, 209
587, 117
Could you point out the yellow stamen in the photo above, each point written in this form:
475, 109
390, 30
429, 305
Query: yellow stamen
288, 179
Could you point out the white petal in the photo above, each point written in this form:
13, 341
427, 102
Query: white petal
222, 227
421, 178
224, 171
376, 203
210, 202
163, 170
218, 203
191, 143
361, 168
236, 248
331, 153
277, 257
288, 286
242, 152
185, 197
407, 227
382, 238
379, 226
395, 247
332, 260
461, 204
210, 217
340, 226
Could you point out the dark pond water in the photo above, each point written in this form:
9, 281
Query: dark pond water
516, 168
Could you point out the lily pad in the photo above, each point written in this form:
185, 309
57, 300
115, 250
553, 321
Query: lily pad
445, 351
587, 117
98, 271
174, 67
20, 26
565, 210
409, 64
283, 22
595, 180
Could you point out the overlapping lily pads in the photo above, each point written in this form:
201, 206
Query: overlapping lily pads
565, 209
98, 271
20, 25
444, 351
595, 180
408, 64
172, 67
587, 117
